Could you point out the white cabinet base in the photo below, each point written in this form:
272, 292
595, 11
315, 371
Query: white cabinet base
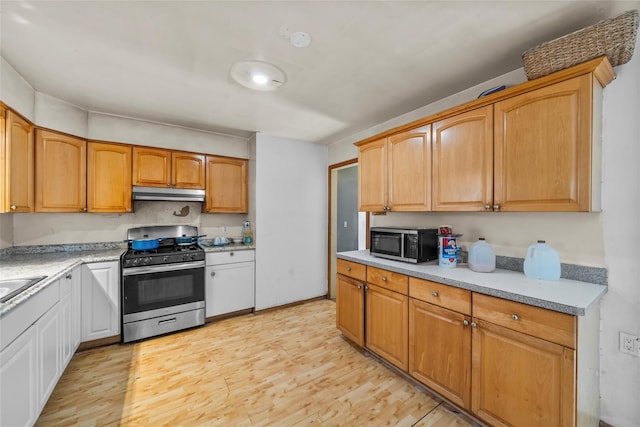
230, 282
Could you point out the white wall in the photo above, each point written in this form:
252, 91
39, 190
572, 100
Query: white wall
620, 309
291, 220
608, 239
55, 114
15, 91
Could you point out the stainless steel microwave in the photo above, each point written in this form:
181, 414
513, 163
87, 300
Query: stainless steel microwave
404, 244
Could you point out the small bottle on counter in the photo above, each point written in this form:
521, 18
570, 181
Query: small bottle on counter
247, 235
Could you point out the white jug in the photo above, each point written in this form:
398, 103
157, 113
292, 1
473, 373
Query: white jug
542, 262
482, 257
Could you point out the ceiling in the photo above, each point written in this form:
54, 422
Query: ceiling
369, 61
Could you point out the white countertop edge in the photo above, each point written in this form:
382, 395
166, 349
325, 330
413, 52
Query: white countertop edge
565, 296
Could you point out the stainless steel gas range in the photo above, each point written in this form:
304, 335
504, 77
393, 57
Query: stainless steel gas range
162, 287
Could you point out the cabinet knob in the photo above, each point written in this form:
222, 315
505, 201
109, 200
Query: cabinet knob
359, 287
68, 276
487, 207
348, 268
465, 322
14, 207
515, 317
366, 287
384, 279
230, 253
474, 325
213, 273
84, 209
496, 207
434, 293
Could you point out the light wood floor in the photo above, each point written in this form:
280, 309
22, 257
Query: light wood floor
279, 368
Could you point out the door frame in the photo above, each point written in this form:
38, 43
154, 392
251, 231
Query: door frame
329, 208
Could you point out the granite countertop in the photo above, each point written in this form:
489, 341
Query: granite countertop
54, 265
55, 261
566, 296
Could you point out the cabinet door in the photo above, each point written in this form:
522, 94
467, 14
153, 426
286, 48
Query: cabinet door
19, 381
100, 300
372, 176
226, 185
409, 170
19, 163
108, 177
70, 314
48, 333
521, 380
463, 162
61, 173
387, 325
151, 167
187, 170
543, 149
440, 350
229, 288
350, 308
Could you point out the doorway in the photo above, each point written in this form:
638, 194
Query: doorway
347, 226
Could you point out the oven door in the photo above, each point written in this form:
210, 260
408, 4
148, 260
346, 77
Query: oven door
158, 287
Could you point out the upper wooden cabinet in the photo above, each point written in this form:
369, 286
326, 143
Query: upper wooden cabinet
108, 177
17, 163
532, 147
463, 161
543, 149
61, 171
226, 189
395, 172
156, 167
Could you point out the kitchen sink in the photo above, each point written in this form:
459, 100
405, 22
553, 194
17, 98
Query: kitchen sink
11, 287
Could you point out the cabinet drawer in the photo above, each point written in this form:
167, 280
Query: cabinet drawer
352, 269
546, 324
388, 279
442, 295
230, 257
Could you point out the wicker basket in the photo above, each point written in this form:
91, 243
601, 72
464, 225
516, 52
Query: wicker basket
614, 37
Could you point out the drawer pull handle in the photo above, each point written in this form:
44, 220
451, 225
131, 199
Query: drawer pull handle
164, 322
465, 322
515, 317
384, 279
474, 325
435, 294
348, 268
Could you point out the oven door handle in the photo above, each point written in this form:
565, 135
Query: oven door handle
162, 268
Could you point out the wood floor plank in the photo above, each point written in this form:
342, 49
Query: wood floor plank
279, 368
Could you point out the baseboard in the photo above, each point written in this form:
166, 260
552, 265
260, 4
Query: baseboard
99, 343
291, 304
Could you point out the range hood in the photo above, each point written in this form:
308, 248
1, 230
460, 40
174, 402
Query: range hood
167, 194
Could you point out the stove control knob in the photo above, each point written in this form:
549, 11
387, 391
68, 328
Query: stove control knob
135, 261
165, 258
147, 260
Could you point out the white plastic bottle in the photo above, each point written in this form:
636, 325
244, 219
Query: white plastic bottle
482, 257
542, 262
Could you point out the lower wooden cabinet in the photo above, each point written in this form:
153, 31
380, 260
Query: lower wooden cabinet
521, 380
387, 325
440, 350
350, 308
507, 363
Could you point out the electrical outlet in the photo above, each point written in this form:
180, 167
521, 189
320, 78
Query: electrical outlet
629, 344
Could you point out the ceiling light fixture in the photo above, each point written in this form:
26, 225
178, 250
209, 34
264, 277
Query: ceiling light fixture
258, 75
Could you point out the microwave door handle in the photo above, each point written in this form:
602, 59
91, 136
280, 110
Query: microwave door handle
403, 241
